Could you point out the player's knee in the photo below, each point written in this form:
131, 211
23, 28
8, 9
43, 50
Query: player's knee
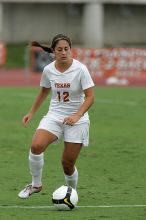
68, 166
36, 148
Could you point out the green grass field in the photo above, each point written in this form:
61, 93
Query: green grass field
112, 171
16, 55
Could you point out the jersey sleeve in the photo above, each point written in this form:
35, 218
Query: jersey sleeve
86, 79
45, 82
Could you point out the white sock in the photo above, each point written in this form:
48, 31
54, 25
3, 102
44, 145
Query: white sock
72, 180
36, 163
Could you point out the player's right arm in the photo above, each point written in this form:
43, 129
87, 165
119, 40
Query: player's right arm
40, 98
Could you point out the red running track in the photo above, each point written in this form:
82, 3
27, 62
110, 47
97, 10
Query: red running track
19, 77
24, 77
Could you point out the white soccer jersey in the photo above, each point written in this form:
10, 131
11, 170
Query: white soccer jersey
67, 88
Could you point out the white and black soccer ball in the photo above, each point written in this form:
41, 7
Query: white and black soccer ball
65, 198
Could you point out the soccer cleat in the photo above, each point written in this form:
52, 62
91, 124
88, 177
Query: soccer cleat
28, 191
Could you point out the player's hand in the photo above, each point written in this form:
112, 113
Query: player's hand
71, 120
26, 119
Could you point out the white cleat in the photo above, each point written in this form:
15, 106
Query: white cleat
28, 191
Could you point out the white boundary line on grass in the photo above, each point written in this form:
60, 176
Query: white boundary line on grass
118, 102
88, 206
99, 100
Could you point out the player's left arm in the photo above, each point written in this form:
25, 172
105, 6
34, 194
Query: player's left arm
89, 100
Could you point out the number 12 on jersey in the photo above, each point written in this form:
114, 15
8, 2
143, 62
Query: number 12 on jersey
63, 96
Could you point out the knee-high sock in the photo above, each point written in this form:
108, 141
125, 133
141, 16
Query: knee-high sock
36, 163
72, 180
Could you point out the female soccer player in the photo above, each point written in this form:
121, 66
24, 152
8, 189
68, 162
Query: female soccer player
72, 96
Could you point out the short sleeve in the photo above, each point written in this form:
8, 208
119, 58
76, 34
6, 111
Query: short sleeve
86, 79
45, 82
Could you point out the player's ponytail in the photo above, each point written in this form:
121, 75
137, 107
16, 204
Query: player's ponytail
45, 48
55, 40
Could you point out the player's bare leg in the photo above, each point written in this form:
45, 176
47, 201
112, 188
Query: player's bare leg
69, 157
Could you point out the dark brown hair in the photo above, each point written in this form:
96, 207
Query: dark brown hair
55, 40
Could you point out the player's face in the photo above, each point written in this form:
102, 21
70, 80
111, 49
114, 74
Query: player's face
62, 51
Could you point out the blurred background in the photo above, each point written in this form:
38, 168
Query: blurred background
109, 36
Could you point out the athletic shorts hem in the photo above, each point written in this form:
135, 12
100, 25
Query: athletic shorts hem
84, 143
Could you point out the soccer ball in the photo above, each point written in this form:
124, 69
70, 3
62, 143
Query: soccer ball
65, 198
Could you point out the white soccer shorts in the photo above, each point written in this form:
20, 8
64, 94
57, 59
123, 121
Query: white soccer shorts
78, 133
